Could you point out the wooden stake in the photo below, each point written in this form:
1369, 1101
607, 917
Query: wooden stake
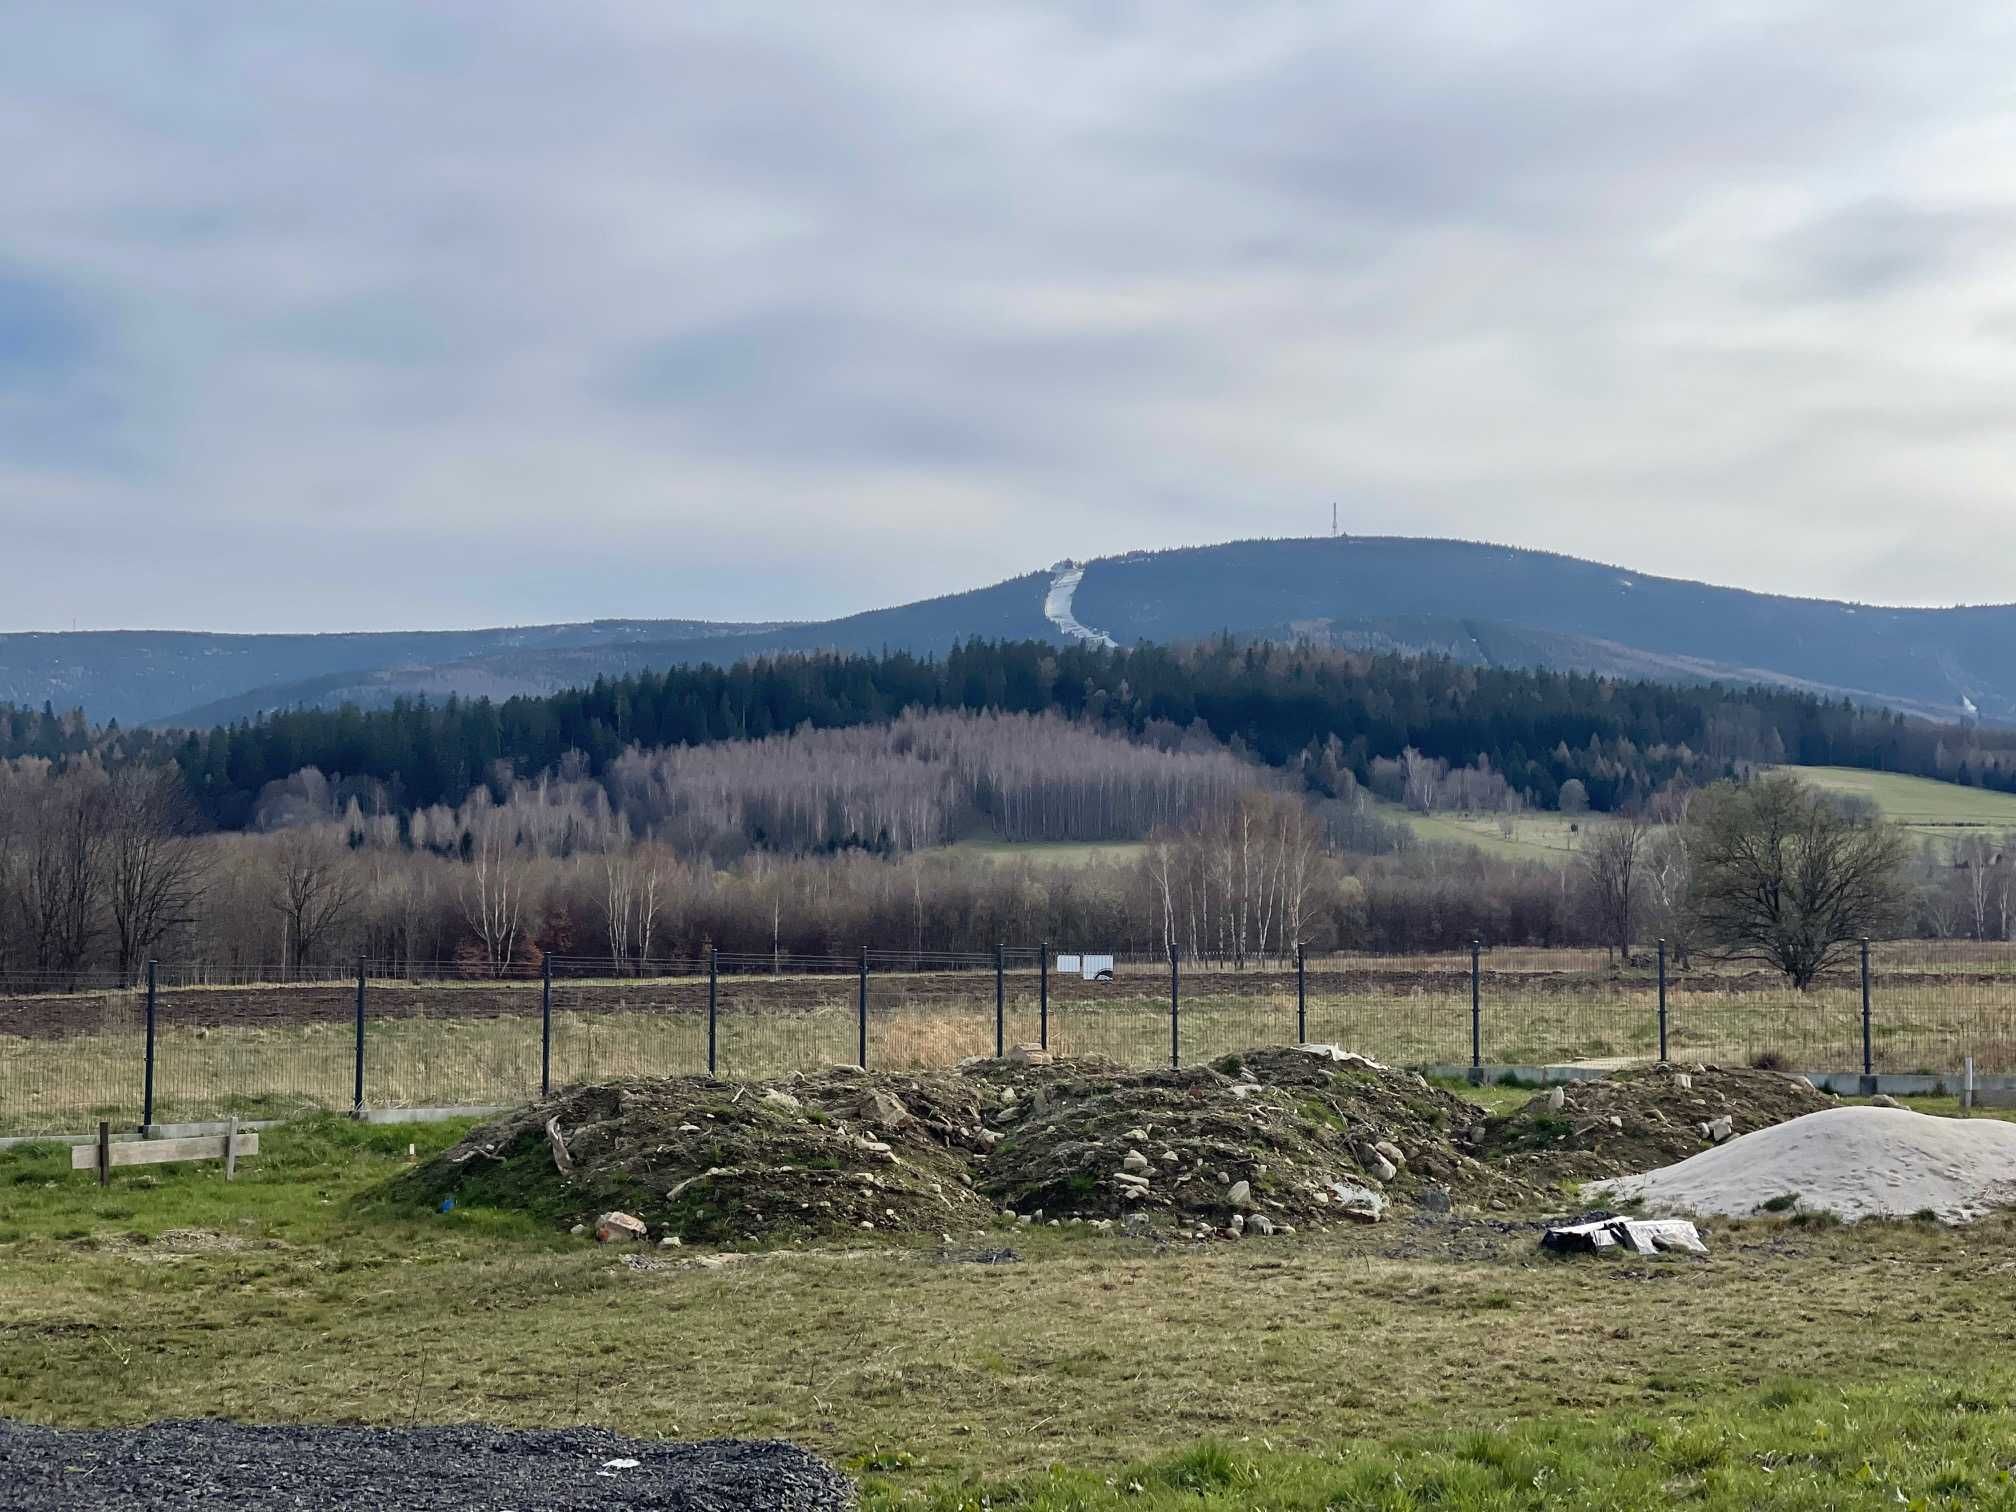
231, 1150
104, 1152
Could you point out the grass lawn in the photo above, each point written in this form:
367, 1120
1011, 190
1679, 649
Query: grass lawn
1418, 1363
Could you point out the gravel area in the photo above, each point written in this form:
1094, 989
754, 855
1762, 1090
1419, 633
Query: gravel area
230, 1465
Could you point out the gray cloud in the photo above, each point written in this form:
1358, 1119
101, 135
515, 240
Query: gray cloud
386, 315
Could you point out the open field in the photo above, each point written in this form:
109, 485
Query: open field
1051, 852
67, 1061
1943, 811
1534, 836
1946, 812
1421, 1362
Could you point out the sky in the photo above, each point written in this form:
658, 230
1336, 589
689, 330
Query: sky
386, 315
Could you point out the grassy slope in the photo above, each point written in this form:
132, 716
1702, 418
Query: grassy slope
1944, 811
1373, 1368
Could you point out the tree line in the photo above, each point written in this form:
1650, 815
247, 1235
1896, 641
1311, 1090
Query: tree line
1321, 714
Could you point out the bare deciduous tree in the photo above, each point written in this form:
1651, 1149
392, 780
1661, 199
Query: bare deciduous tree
155, 866
312, 889
1784, 876
1610, 866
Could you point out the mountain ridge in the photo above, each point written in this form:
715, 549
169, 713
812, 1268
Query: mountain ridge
1474, 601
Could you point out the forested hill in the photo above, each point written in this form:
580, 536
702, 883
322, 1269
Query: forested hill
1325, 712
1477, 604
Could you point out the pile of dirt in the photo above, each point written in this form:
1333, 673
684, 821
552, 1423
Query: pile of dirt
1641, 1119
1255, 1142
1250, 1144
720, 1162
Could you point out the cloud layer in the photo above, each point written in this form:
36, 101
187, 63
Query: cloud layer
385, 315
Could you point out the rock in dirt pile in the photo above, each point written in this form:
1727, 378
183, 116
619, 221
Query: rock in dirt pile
1640, 1119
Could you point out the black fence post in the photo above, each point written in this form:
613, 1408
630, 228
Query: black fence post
1043, 995
147, 1095
713, 1002
1175, 1010
1662, 999
861, 1014
1000, 1008
1868, 1048
1476, 1012
545, 1025
1301, 997
357, 1097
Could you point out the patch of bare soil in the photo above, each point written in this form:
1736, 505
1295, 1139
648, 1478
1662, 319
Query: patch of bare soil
1642, 1119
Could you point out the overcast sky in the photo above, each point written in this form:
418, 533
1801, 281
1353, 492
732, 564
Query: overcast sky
320, 316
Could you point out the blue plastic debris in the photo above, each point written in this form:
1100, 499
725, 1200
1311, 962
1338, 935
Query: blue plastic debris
447, 1204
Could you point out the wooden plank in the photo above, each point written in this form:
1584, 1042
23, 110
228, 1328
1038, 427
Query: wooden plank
163, 1151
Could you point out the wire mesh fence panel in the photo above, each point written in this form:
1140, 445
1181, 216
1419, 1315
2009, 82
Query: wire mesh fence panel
772, 1024
621, 1028
69, 1059
1741, 1013
276, 1053
1397, 1009
471, 1043
1227, 1009
1123, 1019
1596, 1008
932, 1020
1936, 1003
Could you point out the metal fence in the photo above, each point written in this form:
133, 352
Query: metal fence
182, 1046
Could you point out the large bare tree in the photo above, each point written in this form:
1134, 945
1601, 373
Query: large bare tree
1612, 863
313, 888
1785, 876
155, 866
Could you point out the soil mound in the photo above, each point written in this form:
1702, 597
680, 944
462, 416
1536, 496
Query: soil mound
1272, 1137
720, 1162
1252, 1143
1641, 1119
1851, 1162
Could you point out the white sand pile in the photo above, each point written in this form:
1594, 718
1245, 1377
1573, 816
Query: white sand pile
1853, 1162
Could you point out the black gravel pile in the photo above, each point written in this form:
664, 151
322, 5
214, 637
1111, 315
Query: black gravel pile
230, 1465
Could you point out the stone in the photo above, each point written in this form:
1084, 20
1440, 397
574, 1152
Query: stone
1357, 1202
1392, 1153
1135, 1161
1170, 1157
1477, 1133
615, 1228
1616, 1121
1884, 1100
883, 1110
1261, 1224
1136, 1136
1378, 1165
1239, 1193
579, 1228
1435, 1199
1719, 1129
670, 1241
689, 1128
775, 1099
1558, 1099
1029, 1055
